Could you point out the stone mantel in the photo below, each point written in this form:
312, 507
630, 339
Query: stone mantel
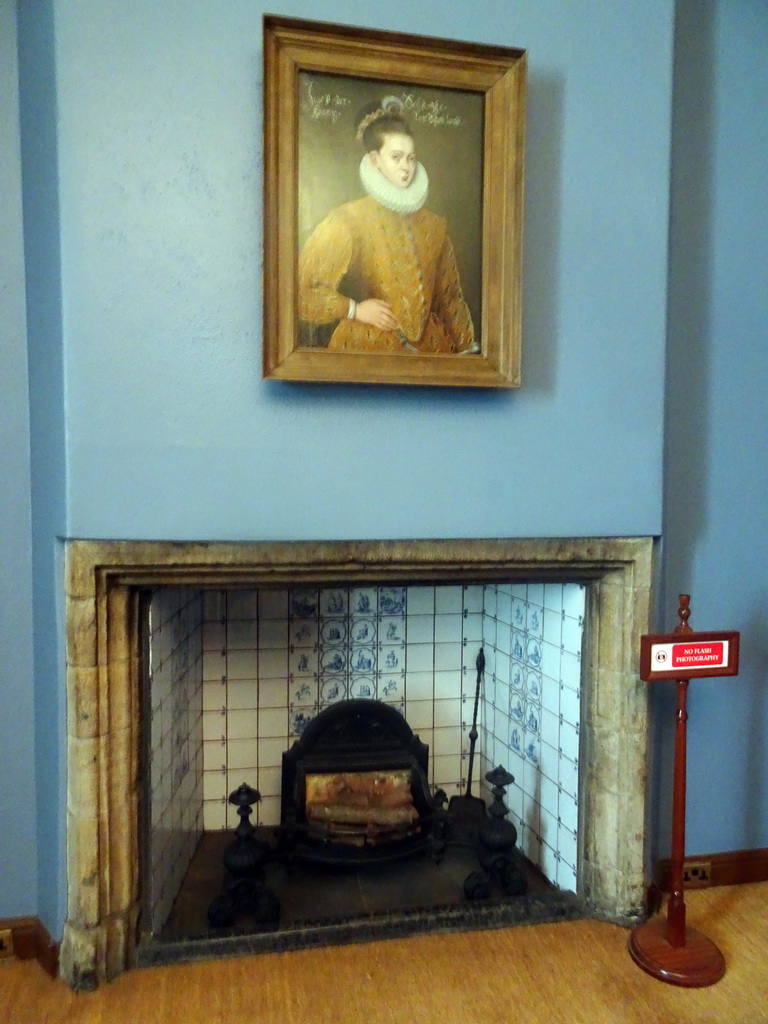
103, 580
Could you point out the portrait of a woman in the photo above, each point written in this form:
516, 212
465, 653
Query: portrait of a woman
379, 273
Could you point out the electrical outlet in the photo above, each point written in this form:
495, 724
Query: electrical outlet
6, 943
697, 874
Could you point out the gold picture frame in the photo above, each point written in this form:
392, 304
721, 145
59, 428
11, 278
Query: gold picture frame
460, 255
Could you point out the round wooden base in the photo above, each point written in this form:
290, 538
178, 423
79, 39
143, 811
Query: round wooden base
696, 964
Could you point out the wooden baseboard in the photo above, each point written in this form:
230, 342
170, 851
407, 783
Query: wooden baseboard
31, 941
711, 869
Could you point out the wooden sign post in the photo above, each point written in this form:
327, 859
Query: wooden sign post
670, 950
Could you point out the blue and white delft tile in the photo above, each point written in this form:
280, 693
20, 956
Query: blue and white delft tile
362, 631
363, 601
532, 747
392, 629
333, 662
298, 722
517, 708
333, 690
535, 620
303, 691
363, 686
303, 633
533, 652
333, 602
392, 600
333, 632
532, 718
518, 613
390, 688
391, 658
303, 603
363, 660
518, 645
517, 739
302, 662
533, 684
517, 677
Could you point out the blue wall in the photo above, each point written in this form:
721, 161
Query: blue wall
161, 421
716, 527
18, 848
39, 150
171, 432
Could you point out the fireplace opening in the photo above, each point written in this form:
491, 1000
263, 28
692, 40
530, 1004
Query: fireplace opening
265, 686
224, 677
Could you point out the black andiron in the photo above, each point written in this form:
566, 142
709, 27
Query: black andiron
496, 847
245, 893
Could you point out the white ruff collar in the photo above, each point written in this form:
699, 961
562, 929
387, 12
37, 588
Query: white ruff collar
399, 200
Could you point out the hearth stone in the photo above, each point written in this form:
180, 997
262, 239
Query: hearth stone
354, 905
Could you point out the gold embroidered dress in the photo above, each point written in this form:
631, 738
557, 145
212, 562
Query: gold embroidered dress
404, 258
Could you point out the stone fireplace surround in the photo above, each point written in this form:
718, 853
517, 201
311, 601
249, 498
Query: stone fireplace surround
103, 581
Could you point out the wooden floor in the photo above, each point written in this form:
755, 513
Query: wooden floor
570, 973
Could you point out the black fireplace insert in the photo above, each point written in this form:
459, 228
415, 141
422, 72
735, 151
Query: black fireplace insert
355, 789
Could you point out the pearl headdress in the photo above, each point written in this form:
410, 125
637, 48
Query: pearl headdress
390, 105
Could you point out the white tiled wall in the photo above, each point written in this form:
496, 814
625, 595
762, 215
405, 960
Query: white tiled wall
176, 742
533, 637
273, 658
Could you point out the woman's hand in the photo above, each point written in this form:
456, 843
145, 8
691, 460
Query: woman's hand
376, 313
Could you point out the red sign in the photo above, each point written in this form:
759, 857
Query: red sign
689, 656
699, 654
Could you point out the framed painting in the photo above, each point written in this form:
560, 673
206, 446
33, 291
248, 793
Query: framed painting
393, 206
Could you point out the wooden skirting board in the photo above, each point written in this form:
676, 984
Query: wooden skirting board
31, 941
713, 869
